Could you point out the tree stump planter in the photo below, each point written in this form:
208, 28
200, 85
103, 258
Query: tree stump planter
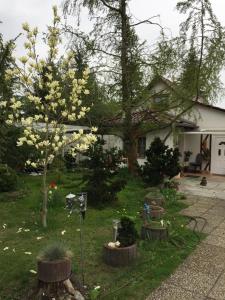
156, 212
118, 257
54, 271
153, 233
155, 199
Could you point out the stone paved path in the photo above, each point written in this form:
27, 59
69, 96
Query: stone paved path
202, 275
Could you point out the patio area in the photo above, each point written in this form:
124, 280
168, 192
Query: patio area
190, 185
202, 275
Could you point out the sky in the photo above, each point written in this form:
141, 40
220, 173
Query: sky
38, 13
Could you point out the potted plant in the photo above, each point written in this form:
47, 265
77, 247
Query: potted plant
155, 230
54, 264
124, 250
187, 155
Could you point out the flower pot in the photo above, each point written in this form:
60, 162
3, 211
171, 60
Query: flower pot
54, 271
121, 256
153, 233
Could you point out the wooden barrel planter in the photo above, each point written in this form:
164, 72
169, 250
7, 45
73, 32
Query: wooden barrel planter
153, 233
155, 199
118, 257
54, 271
156, 212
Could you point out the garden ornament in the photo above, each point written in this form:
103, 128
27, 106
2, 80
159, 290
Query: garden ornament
147, 211
203, 181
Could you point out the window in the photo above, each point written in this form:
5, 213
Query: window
141, 147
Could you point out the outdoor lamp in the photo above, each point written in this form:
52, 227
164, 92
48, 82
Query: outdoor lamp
116, 223
70, 200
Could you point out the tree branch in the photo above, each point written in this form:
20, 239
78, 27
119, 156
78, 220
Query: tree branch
148, 21
111, 7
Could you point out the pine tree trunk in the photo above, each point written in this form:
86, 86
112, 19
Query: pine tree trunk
45, 199
132, 154
130, 142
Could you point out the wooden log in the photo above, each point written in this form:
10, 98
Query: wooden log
118, 257
54, 271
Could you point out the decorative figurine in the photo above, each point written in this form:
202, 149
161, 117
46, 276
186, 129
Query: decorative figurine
203, 181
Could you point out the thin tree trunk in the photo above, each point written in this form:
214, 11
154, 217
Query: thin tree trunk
45, 199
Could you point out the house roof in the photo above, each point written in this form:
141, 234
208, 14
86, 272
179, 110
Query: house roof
171, 85
146, 115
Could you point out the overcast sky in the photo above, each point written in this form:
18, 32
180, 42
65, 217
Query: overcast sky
38, 13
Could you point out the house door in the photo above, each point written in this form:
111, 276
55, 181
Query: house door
218, 155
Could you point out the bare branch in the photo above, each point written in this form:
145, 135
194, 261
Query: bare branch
148, 21
111, 7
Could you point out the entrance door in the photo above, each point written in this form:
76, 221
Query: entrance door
218, 155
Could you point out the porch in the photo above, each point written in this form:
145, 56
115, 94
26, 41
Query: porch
210, 144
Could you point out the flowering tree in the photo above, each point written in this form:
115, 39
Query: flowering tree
52, 96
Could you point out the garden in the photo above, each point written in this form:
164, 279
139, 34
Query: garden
131, 216
101, 226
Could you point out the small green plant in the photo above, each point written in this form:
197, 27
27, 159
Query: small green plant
55, 252
162, 162
127, 233
94, 293
187, 155
8, 178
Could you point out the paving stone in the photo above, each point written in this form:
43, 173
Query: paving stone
203, 205
170, 292
217, 211
197, 282
212, 219
221, 225
218, 291
220, 202
220, 231
189, 201
191, 212
220, 195
201, 227
206, 259
215, 240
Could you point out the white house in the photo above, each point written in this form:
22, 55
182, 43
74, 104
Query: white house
201, 132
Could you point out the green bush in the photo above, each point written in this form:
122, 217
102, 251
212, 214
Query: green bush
162, 162
8, 178
101, 182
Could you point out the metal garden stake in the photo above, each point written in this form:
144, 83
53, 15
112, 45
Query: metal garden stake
78, 203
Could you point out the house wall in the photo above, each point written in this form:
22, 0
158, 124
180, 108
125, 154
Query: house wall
112, 141
115, 141
208, 118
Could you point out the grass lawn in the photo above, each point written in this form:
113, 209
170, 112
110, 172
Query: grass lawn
155, 262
